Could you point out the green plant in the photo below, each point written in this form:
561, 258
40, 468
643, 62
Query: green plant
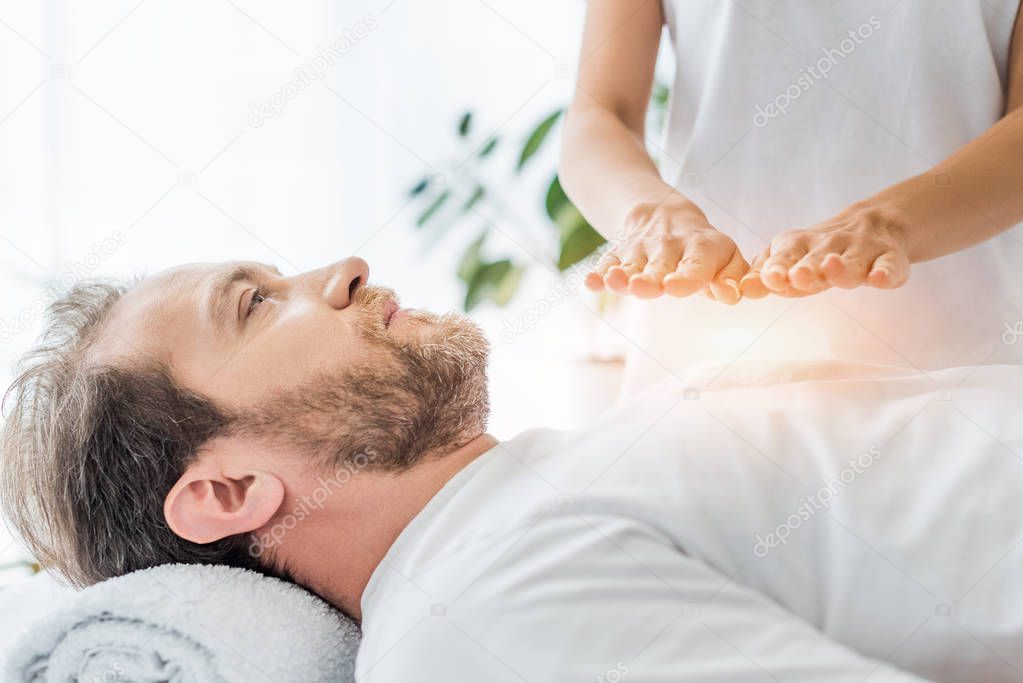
465, 190
31, 566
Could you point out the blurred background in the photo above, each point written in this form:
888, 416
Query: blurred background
140, 134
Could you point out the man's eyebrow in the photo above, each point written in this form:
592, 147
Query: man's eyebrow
220, 300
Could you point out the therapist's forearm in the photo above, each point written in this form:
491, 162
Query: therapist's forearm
972, 196
606, 170
661, 242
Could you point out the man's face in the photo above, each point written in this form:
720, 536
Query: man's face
319, 359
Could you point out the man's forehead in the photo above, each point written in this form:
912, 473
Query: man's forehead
162, 304
154, 294
191, 279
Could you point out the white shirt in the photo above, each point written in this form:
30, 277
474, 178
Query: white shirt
873, 92
820, 530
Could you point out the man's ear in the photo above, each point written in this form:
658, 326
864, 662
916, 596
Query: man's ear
218, 497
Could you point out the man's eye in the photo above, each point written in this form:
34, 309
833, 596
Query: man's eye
258, 297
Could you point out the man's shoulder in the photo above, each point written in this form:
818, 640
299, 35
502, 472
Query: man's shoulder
471, 520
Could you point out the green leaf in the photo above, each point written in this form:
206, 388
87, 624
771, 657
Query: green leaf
660, 96
419, 187
488, 147
508, 286
556, 199
470, 262
536, 138
474, 198
578, 246
433, 208
473, 291
568, 219
465, 124
485, 281
578, 238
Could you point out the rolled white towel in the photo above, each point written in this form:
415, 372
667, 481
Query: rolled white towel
185, 623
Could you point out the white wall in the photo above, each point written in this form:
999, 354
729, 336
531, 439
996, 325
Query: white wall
129, 121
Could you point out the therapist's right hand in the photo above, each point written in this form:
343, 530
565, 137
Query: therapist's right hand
670, 248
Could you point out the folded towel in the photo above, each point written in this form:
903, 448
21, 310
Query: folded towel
186, 623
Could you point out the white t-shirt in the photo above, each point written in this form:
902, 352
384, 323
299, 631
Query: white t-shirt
785, 112
819, 530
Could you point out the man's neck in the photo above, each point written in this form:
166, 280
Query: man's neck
336, 551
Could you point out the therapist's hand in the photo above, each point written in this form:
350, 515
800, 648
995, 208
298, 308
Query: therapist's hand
670, 248
856, 248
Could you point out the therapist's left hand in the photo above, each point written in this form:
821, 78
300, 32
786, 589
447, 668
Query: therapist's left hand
857, 248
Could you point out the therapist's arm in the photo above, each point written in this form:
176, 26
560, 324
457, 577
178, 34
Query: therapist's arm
660, 241
970, 197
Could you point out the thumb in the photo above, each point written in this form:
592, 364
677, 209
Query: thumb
725, 285
751, 285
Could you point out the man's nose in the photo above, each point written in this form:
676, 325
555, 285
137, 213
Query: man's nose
347, 276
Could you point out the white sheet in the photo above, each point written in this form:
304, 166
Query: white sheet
557, 555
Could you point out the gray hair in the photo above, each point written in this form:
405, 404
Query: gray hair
89, 451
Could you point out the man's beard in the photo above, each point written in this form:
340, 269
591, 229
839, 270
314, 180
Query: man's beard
422, 394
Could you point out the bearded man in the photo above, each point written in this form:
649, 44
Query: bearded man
812, 529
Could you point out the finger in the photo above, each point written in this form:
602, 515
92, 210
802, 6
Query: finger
595, 278
889, 270
832, 266
750, 285
775, 272
807, 274
754, 288
689, 277
851, 268
698, 265
617, 278
725, 285
649, 283
663, 260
